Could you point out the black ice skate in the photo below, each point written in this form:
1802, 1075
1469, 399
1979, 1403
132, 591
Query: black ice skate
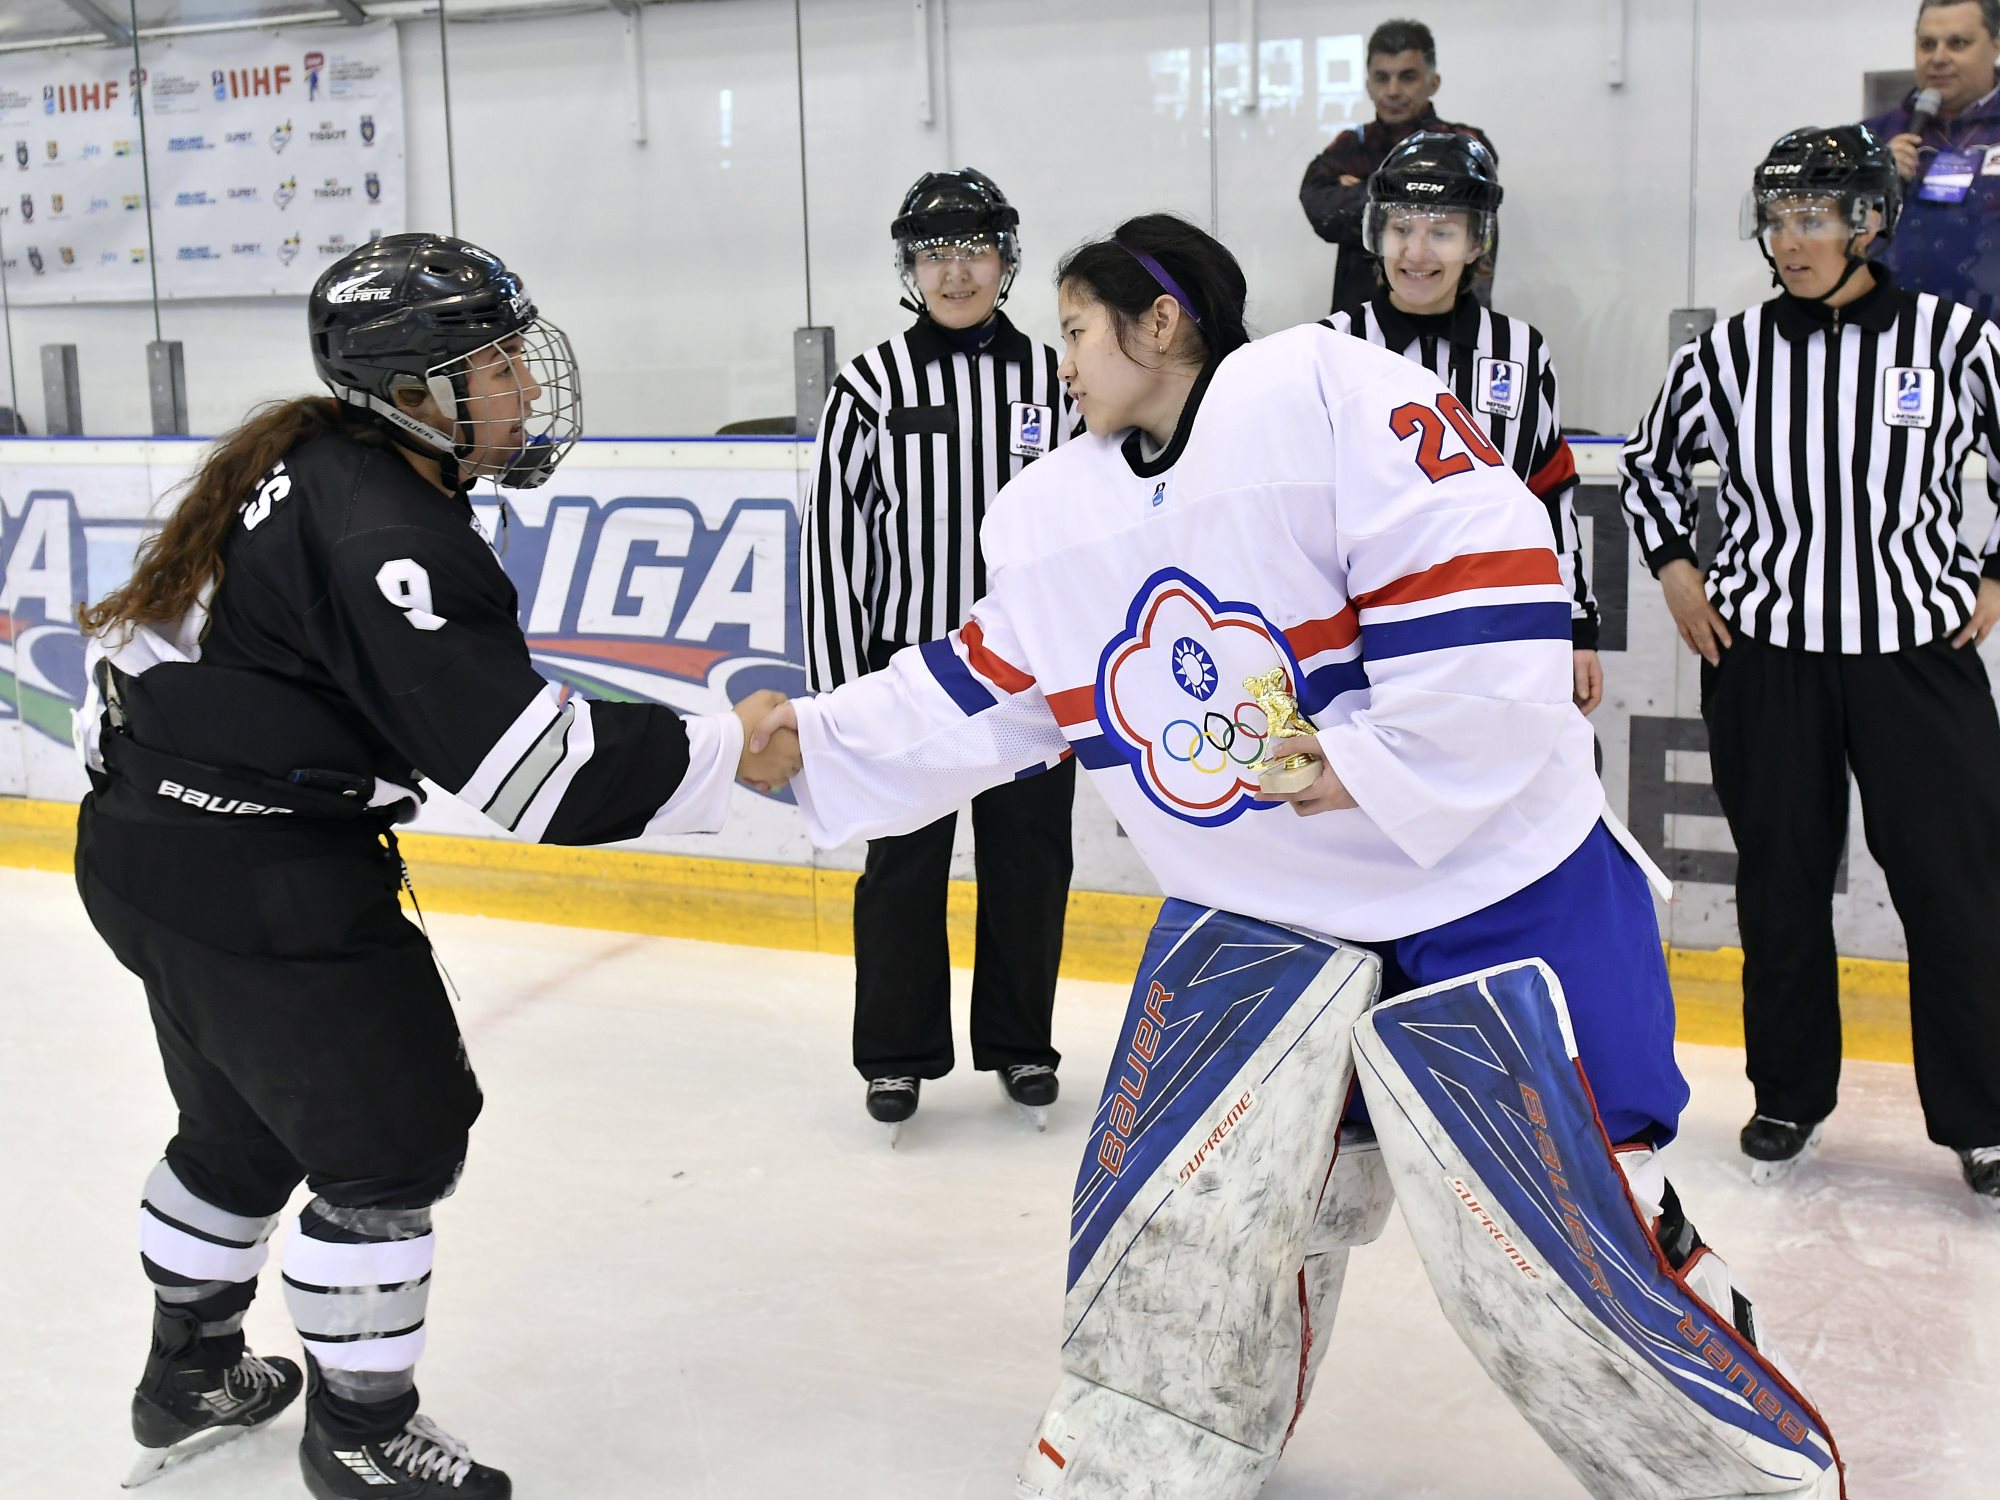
1033, 1087
892, 1101
1776, 1147
1981, 1166
191, 1399
420, 1462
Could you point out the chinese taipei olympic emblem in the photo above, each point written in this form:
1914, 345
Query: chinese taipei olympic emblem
1171, 688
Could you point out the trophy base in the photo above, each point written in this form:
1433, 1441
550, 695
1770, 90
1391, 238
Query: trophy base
1292, 774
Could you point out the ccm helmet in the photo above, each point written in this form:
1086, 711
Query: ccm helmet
1436, 172
1824, 182
416, 312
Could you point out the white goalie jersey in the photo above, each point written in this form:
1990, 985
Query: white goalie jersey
1338, 514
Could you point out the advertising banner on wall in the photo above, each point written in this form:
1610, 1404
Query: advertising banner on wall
662, 574
269, 153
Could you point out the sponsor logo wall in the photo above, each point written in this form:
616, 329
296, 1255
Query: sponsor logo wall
270, 154
677, 583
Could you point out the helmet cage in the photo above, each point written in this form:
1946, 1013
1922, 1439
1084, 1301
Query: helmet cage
550, 420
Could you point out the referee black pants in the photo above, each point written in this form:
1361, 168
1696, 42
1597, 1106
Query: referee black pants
1919, 731
902, 957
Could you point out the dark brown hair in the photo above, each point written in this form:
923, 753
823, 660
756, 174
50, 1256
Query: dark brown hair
177, 561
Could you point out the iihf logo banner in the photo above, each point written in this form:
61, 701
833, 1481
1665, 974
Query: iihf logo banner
218, 108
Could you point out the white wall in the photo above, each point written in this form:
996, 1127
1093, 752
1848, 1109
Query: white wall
678, 266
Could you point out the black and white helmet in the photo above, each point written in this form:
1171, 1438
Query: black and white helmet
412, 312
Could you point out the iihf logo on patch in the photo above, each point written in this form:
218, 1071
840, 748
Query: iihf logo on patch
1181, 643
1031, 430
1909, 396
1498, 390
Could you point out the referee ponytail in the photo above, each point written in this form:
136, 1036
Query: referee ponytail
1163, 254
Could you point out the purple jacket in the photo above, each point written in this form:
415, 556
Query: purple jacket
1952, 249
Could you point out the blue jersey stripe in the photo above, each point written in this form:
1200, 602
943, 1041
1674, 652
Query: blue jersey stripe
1480, 625
955, 677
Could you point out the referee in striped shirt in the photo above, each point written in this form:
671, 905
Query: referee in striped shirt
918, 436
1837, 628
1432, 219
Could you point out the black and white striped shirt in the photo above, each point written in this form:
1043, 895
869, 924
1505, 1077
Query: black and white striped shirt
1840, 435
917, 438
1500, 368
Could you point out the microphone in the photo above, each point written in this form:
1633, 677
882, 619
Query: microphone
1924, 111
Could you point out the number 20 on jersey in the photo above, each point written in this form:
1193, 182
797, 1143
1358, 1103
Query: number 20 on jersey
1428, 423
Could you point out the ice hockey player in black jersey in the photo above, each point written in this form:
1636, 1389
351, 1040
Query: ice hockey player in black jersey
318, 623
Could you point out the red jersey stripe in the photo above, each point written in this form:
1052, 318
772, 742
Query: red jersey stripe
1554, 474
1002, 674
1074, 706
1310, 637
1475, 570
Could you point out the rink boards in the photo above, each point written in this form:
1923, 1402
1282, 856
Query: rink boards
667, 570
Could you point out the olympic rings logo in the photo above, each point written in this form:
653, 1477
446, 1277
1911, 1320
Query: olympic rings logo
1223, 735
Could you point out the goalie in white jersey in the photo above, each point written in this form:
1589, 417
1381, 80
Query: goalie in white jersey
1334, 515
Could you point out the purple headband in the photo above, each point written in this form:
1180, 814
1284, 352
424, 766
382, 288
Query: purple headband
1159, 273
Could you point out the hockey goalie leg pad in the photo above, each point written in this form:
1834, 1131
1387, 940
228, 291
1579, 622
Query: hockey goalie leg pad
1545, 1266
1352, 1212
1195, 1203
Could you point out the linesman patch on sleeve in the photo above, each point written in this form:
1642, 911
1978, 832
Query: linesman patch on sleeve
1498, 391
1033, 428
1909, 396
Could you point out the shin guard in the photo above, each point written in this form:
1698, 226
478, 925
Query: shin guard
1550, 1271
1187, 1354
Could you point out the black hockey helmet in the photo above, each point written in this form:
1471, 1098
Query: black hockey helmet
959, 207
958, 204
1442, 171
1847, 163
1439, 166
412, 312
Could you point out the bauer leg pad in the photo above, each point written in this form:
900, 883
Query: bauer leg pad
1549, 1271
1188, 1319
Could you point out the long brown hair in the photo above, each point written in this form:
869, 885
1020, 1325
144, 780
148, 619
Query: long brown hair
175, 563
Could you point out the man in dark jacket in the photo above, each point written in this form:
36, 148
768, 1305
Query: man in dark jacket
1948, 240
1402, 77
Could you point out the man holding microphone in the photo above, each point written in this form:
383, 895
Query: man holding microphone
1946, 142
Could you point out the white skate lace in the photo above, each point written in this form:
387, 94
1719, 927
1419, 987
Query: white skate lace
256, 1372
428, 1451
1022, 1071
1981, 1156
890, 1085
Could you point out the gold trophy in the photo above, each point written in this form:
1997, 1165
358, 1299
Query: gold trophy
1292, 773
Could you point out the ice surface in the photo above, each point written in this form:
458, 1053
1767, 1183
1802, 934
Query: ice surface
685, 1263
